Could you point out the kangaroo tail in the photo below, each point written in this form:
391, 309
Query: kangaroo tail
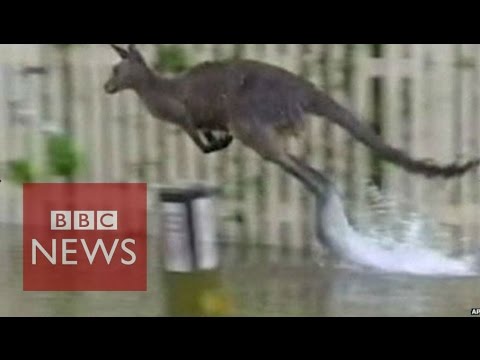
323, 105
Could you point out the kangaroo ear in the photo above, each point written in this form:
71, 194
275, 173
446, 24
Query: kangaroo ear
134, 54
121, 52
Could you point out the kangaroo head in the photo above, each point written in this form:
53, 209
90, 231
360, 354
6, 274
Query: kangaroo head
129, 73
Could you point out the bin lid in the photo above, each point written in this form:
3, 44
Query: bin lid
186, 193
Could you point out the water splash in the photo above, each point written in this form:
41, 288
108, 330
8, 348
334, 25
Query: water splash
388, 238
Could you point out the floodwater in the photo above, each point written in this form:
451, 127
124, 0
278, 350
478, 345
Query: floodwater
246, 285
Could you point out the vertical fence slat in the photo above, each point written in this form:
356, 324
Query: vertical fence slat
273, 235
16, 144
256, 183
4, 190
360, 100
422, 121
112, 120
394, 123
335, 68
467, 64
98, 152
294, 237
297, 232
80, 115
419, 120
444, 113
470, 182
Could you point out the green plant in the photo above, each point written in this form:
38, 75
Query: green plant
21, 172
171, 59
63, 159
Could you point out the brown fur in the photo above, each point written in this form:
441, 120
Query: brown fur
256, 103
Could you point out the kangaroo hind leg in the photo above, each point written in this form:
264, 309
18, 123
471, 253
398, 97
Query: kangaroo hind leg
270, 145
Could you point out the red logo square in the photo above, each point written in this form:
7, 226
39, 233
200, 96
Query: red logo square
85, 237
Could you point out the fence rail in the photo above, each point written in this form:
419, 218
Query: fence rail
423, 98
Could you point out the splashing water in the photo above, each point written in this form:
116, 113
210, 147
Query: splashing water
388, 239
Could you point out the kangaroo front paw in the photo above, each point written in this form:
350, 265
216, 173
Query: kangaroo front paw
219, 144
225, 141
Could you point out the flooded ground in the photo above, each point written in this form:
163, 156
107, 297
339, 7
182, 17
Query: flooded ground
246, 285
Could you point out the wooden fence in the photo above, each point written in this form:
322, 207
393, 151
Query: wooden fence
423, 98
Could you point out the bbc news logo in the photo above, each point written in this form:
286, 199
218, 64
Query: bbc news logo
84, 220
85, 237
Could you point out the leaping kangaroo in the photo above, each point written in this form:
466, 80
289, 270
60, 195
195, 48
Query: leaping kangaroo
258, 104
